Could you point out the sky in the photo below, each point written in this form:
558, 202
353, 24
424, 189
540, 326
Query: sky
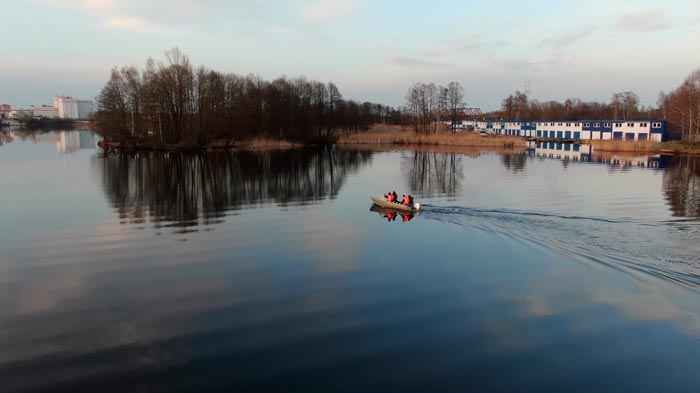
373, 50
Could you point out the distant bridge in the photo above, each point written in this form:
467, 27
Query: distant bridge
471, 112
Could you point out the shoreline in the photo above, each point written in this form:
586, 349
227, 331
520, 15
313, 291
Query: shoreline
254, 144
382, 136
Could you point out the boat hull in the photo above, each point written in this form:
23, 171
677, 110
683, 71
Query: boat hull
379, 201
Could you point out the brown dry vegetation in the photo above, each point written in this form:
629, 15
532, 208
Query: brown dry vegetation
625, 146
381, 134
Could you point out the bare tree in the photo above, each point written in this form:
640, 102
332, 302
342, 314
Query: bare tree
455, 101
515, 106
682, 106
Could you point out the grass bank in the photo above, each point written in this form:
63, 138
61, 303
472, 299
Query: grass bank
625, 146
381, 134
643, 147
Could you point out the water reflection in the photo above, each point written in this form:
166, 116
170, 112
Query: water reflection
681, 184
391, 215
178, 189
586, 153
431, 173
66, 141
514, 162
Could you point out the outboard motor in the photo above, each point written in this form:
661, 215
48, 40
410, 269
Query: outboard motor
416, 206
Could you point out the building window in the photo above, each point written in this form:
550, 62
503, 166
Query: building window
630, 124
656, 125
586, 124
597, 125
607, 125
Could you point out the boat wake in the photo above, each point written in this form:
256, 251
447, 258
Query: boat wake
667, 249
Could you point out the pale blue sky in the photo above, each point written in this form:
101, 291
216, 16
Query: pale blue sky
373, 50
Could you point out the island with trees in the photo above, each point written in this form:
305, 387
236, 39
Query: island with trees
172, 105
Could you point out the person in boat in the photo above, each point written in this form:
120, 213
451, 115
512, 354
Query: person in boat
406, 200
395, 197
410, 200
389, 197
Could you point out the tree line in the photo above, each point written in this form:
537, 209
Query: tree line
622, 106
680, 107
428, 105
171, 102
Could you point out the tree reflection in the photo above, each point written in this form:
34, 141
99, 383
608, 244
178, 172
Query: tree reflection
682, 185
431, 173
178, 189
514, 162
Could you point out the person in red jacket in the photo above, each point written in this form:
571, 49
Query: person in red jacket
405, 201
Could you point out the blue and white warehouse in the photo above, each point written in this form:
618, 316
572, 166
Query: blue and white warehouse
630, 130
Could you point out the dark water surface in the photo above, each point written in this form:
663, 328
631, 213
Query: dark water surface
267, 271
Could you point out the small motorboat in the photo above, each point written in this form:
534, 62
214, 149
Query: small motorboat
380, 201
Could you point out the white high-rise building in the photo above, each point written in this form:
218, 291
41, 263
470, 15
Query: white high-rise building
71, 108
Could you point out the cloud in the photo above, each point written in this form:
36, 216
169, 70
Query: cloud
560, 41
406, 61
204, 17
467, 44
644, 21
319, 11
124, 15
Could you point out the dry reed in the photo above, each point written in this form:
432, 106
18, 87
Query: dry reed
401, 135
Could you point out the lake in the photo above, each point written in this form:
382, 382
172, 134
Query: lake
551, 269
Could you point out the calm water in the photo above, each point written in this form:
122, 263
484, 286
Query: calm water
269, 272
